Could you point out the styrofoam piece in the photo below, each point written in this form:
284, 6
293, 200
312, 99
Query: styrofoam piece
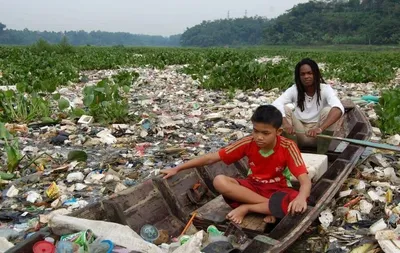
316, 165
390, 246
326, 218
85, 119
377, 226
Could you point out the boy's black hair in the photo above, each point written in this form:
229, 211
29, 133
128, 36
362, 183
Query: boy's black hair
268, 114
317, 81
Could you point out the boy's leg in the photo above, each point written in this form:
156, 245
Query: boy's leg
280, 200
237, 214
231, 189
276, 206
248, 200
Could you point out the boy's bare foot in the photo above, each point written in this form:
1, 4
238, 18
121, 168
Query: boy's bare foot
237, 214
269, 219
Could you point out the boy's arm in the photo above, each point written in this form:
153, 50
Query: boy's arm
299, 204
305, 186
228, 155
298, 168
206, 159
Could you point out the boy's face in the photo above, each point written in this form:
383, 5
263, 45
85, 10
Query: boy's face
265, 135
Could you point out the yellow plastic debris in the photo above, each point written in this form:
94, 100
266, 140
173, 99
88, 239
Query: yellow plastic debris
363, 249
52, 191
389, 196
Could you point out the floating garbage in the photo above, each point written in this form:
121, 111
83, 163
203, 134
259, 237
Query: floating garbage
172, 120
149, 233
326, 218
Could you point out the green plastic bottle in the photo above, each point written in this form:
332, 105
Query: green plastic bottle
213, 231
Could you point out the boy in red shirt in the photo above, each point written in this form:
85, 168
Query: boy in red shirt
267, 189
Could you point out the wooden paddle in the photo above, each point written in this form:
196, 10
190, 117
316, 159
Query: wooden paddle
363, 143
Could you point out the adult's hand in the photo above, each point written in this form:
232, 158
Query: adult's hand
314, 132
289, 129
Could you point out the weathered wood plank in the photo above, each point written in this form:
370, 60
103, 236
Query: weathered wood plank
214, 211
169, 196
173, 225
149, 211
254, 222
133, 195
114, 212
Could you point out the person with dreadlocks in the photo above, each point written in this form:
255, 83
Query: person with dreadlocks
316, 107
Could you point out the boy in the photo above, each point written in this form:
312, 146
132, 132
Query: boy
266, 189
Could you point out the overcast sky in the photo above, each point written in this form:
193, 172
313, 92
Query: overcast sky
154, 17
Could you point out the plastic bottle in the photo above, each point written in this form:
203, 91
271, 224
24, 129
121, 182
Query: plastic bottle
215, 235
213, 231
49, 239
104, 246
183, 239
370, 98
149, 233
65, 247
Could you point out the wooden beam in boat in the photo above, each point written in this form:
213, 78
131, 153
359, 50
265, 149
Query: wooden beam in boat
169, 197
283, 228
215, 211
254, 222
114, 212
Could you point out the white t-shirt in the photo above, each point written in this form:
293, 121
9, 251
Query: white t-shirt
311, 109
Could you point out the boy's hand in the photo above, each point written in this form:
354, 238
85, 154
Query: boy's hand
169, 172
298, 205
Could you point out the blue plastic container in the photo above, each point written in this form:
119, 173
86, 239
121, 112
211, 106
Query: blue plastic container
370, 98
149, 233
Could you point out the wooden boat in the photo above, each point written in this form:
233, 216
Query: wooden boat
165, 203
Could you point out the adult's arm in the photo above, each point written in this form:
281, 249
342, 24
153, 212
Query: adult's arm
334, 115
287, 97
337, 109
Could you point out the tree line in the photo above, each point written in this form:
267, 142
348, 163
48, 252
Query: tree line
374, 22
95, 38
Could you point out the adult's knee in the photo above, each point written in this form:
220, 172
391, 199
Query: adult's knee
289, 109
325, 111
323, 116
221, 183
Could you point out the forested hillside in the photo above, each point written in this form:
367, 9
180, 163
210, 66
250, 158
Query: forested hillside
338, 22
96, 38
316, 22
225, 32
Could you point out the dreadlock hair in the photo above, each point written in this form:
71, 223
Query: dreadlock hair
300, 87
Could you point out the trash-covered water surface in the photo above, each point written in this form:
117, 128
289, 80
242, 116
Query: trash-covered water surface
76, 162
364, 215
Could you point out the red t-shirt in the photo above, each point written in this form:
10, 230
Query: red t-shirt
268, 168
